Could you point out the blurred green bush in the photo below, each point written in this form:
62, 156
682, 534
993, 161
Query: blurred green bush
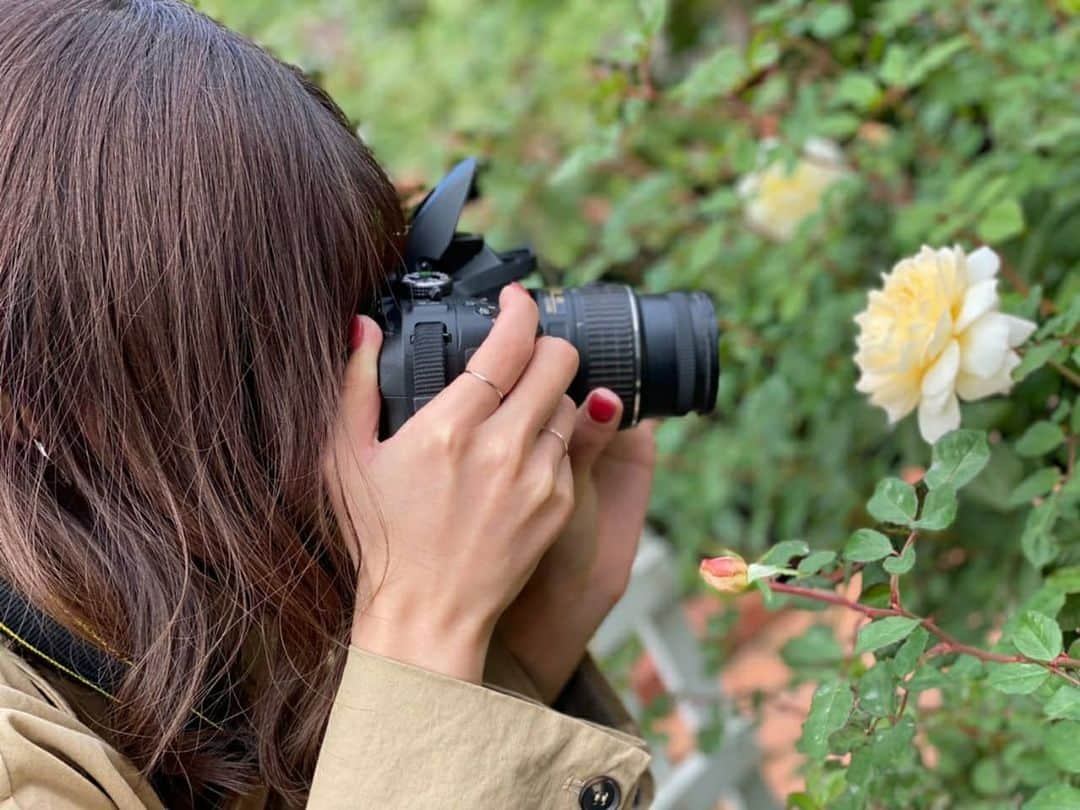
614, 136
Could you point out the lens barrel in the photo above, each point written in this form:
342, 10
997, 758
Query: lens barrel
657, 352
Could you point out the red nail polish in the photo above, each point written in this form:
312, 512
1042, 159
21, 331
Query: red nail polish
356, 332
601, 409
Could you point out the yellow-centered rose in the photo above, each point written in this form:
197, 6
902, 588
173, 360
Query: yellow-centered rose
934, 333
777, 200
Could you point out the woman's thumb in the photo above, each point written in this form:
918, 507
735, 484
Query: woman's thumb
360, 400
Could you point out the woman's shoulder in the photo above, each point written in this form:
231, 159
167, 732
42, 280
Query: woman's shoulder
20, 681
49, 757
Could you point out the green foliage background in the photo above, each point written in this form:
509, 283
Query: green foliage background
613, 135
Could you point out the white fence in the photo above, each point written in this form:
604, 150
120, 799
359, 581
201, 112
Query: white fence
652, 611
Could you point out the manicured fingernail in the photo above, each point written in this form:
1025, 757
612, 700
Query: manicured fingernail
518, 286
601, 408
356, 332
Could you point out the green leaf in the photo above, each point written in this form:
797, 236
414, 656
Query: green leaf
1001, 221
1035, 485
815, 561
987, 777
939, 509
1064, 703
716, 76
867, 545
1016, 679
757, 571
1063, 745
1038, 636
783, 552
893, 501
830, 20
1064, 323
1038, 542
801, 801
1066, 580
1039, 439
957, 458
883, 632
893, 743
877, 691
829, 710
858, 90
901, 564
896, 66
938, 56
1054, 797
907, 656
653, 14
1035, 357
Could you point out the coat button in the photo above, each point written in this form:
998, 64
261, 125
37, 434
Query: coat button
601, 793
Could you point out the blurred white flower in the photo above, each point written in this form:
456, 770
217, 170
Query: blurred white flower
933, 333
777, 200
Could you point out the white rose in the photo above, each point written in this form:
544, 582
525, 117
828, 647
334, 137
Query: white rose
934, 333
777, 201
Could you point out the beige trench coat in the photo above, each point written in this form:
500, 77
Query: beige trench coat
398, 737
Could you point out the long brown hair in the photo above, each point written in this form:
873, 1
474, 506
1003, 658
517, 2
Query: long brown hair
186, 227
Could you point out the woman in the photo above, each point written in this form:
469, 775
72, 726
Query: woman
192, 479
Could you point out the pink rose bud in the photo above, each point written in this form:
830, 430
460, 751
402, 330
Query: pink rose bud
725, 574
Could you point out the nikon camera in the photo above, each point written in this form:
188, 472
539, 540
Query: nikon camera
657, 352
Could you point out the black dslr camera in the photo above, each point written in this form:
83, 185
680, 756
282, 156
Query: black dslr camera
657, 352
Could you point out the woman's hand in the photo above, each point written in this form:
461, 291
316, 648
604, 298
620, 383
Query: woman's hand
585, 573
455, 510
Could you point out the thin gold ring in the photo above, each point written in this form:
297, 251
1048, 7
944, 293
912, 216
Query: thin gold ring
560, 437
484, 379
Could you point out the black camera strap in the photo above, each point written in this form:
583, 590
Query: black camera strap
37, 633
45, 639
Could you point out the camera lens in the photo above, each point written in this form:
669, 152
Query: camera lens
657, 352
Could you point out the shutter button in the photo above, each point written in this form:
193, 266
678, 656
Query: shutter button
601, 793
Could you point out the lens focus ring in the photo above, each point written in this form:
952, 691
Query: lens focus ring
608, 342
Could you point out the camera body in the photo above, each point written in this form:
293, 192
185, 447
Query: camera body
657, 352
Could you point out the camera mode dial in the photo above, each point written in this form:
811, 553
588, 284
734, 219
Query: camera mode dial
430, 285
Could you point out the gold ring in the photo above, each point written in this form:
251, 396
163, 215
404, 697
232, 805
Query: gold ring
484, 379
560, 437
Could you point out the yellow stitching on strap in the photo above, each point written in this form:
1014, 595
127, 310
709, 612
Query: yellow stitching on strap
54, 662
20, 640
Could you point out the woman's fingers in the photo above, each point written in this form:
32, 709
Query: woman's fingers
597, 425
360, 400
501, 359
537, 394
556, 437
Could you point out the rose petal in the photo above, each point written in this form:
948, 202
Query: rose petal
983, 347
748, 186
982, 264
971, 387
940, 376
1019, 330
823, 151
978, 300
897, 406
941, 336
725, 574
938, 418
